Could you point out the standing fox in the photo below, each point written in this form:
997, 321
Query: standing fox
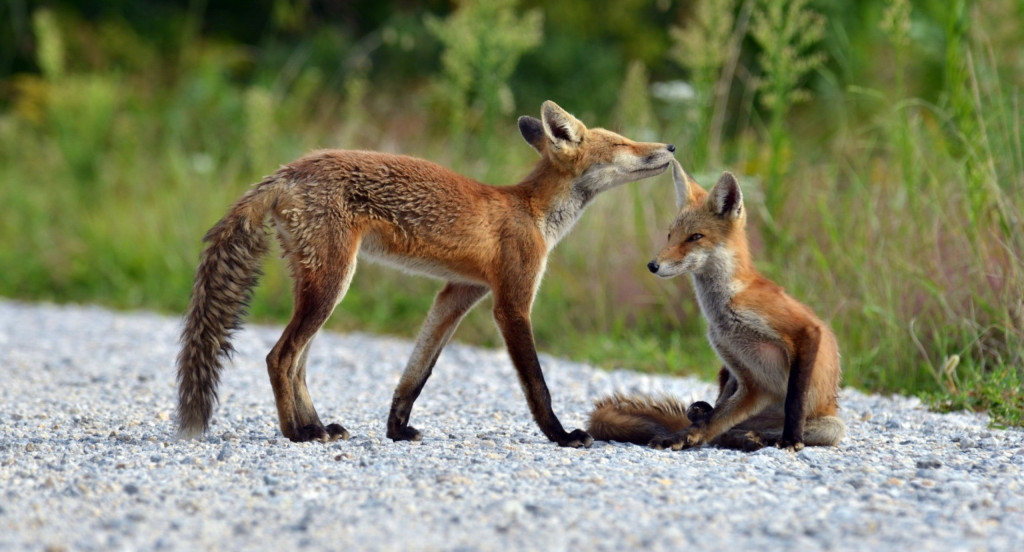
780, 378
331, 206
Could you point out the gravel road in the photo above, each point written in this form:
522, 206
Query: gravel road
88, 459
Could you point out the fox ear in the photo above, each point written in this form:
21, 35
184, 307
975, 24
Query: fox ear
560, 127
726, 199
687, 191
533, 132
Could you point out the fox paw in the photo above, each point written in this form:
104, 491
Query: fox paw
699, 412
790, 445
336, 431
754, 441
662, 442
676, 441
317, 432
576, 438
404, 433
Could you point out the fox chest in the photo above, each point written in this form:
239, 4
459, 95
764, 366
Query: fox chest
750, 347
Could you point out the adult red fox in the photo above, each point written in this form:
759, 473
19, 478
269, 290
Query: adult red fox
332, 206
780, 378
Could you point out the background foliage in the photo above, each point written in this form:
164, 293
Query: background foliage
879, 144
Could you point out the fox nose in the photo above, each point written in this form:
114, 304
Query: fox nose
671, 148
653, 267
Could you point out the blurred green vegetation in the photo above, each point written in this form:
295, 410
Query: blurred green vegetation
879, 144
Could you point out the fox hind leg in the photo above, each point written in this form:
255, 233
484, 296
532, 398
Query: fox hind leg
317, 291
304, 404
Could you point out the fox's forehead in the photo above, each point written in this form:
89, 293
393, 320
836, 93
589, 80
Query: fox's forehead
604, 135
697, 218
687, 218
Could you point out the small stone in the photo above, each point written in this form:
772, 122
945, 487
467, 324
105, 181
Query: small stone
225, 452
929, 462
967, 443
131, 489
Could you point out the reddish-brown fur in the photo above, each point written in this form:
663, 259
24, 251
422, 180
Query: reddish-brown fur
333, 206
781, 362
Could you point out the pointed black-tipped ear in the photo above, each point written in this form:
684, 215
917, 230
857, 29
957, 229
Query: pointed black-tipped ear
533, 132
560, 127
726, 199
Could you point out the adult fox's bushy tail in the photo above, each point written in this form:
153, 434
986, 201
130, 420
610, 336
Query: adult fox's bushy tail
229, 269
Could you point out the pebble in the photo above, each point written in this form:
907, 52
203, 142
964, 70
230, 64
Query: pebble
89, 459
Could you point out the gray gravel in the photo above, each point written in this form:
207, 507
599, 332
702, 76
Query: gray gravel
88, 459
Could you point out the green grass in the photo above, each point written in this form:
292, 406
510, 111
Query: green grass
899, 221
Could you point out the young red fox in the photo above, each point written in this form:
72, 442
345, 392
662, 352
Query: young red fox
780, 378
333, 205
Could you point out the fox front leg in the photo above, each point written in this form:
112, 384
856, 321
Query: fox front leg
450, 306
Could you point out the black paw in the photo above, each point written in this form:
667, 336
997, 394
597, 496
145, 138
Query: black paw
790, 444
674, 441
576, 438
404, 433
699, 412
317, 432
335, 431
753, 441
311, 432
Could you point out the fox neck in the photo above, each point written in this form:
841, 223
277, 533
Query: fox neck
557, 199
727, 273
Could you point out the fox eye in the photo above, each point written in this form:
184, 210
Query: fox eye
695, 237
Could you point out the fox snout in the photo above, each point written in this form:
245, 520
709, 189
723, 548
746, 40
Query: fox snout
653, 266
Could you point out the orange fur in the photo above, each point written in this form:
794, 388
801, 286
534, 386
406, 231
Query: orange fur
635, 418
781, 362
331, 207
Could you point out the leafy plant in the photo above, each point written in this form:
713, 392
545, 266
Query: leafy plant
704, 47
483, 41
786, 32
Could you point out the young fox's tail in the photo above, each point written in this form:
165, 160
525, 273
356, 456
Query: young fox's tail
636, 418
229, 268
640, 418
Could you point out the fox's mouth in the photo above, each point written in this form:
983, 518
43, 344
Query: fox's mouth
659, 168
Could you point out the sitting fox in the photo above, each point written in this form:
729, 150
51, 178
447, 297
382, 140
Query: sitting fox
780, 378
332, 206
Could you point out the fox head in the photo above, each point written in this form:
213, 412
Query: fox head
707, 232
597, 159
